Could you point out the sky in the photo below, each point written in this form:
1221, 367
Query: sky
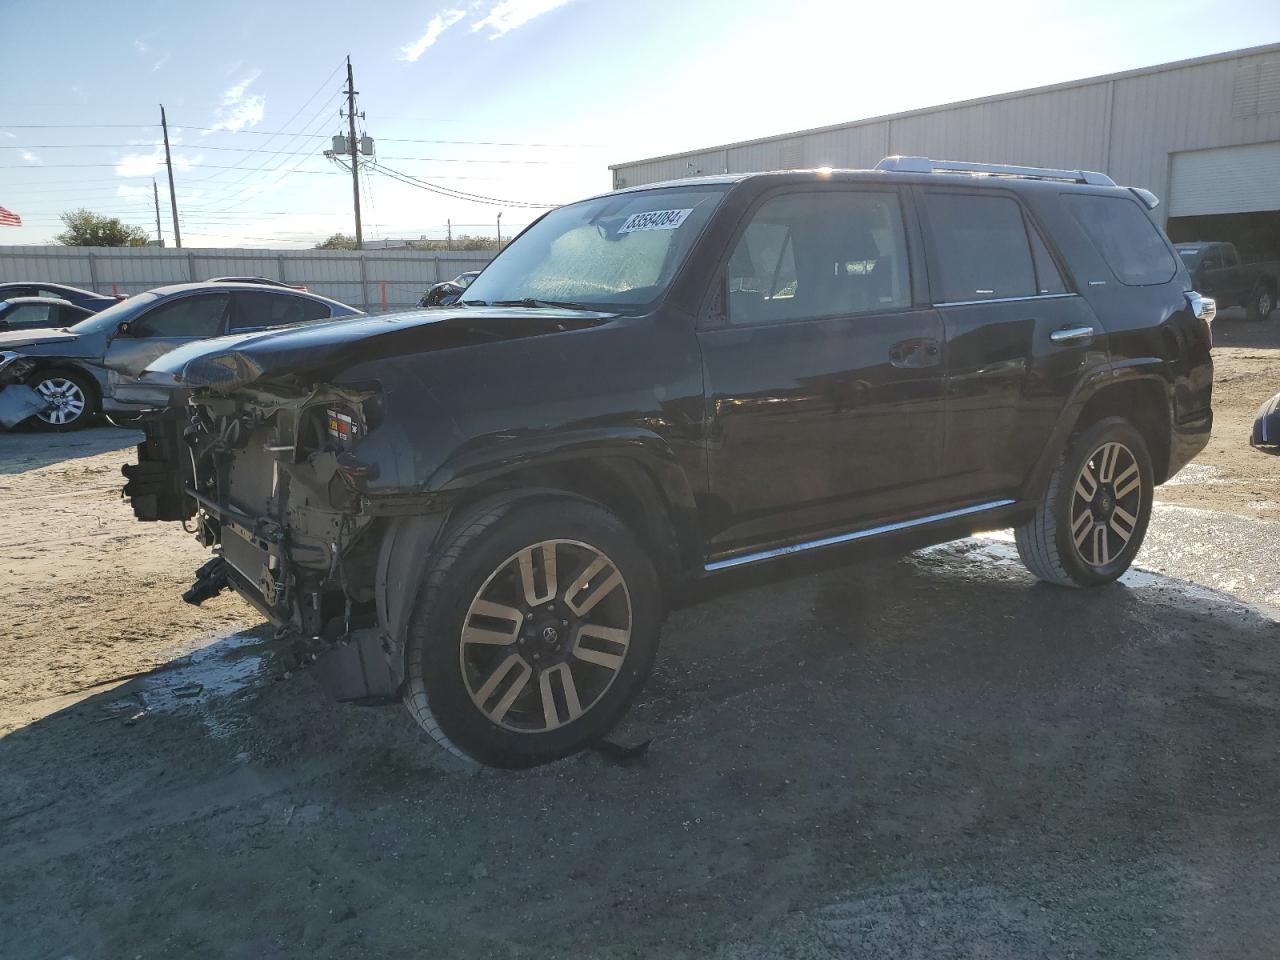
519, 102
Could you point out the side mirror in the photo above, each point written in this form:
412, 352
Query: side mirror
123, 329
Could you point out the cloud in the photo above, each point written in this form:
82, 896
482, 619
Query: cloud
29, 157
11, 136
239, 107
150, 164
141, 46
160, 63
509, 14
437, 25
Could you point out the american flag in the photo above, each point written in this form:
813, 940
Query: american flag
9, 219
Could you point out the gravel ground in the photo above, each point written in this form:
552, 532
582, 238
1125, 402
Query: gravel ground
927, 757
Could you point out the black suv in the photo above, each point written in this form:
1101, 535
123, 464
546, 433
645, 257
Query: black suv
663, 383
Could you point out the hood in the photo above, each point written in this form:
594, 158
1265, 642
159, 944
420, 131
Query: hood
319, 349
17, 339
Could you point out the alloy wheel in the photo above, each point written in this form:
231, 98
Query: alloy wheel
539, 649
66, 400
1106, 504
1265, 304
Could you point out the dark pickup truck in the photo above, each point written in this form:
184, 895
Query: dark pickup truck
499, 500
1216, 271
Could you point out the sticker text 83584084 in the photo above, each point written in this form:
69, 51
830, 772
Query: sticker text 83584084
654, 220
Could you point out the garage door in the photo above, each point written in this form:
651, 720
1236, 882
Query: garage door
1228, 180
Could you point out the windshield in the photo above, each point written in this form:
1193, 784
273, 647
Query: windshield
111, 317
614, 252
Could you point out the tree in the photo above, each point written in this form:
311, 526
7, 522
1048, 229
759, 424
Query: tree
88, 229
339, 241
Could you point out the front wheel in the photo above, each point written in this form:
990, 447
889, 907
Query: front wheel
1090, 523
532, 631
72, 401
1260, 304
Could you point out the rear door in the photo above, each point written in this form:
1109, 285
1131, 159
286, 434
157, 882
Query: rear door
823, 370
1017, 337
165, 326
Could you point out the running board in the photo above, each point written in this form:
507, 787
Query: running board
747, 558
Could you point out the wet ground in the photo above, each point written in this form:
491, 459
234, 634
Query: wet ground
933, 756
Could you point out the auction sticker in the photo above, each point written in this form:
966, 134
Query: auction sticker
654, 220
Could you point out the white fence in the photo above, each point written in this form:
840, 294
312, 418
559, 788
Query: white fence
370, 279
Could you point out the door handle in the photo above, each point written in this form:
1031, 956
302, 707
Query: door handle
1070, 334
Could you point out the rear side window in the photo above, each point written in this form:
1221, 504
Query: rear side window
1126, 239
982, 248
275, 310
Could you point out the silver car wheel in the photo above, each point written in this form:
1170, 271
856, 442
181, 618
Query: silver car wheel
1106, 504
66, 400
538, 649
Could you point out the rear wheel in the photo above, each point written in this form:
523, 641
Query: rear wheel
1261, 304
71, 397
1090, 523
532, 631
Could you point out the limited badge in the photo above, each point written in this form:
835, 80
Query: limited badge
654, 220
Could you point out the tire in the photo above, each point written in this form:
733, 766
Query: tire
464, 657
1260, 304
75, 393
1098, 552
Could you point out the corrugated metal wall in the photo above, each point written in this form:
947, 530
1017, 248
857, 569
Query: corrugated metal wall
359, 278
1128, 125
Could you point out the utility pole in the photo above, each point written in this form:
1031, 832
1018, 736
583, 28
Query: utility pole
355, 153
155, 191
173, 194
499, 231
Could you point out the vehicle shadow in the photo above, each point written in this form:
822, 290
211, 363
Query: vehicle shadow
24, 450
953, 758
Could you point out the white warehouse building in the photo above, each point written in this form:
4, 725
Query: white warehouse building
1202, 134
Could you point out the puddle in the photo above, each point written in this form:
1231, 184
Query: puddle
201, 679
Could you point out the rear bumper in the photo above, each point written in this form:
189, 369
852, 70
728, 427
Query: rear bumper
1187, 440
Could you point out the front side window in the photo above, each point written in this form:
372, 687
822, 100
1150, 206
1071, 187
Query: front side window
820, 254
615, 252
982, 248
1121, 233
195, 317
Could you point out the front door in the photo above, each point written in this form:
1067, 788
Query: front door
165, 326
823, 373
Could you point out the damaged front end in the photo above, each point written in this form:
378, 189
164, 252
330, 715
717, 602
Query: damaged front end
267, 476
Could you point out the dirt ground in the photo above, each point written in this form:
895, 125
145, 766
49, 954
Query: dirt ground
923, 757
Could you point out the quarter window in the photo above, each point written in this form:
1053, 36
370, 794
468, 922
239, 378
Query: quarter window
981, 247
821, 254
1130, 243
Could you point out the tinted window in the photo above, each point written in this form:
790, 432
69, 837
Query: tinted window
1048, 277
820, 254
30, 315
1229, 257
1129, 242
275, 310
65, 316
981, 246
202, 316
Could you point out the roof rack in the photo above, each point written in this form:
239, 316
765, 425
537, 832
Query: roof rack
925, 165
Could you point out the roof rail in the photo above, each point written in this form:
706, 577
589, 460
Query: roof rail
925, 165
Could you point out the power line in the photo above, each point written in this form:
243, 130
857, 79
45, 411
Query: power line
455, 194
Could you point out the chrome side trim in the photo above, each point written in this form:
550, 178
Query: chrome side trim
1068, 334
850, 537
1038, 296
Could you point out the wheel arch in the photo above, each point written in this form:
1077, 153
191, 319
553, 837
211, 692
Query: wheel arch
1136, 393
